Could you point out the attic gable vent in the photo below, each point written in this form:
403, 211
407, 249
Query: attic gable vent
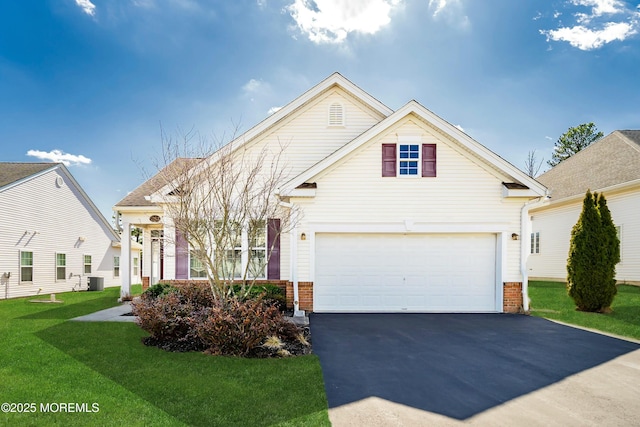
336, 114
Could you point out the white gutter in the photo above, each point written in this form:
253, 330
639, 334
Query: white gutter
524, 247
293, 258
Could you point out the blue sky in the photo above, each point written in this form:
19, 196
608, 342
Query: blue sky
92, 82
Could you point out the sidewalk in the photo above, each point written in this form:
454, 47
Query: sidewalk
113, 314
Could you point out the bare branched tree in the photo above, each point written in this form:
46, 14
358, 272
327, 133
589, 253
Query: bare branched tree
532, 165
222, 201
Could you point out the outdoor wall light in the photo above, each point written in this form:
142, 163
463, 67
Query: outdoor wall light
303, 236
515, 236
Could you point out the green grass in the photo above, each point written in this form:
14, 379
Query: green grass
47, 359
550, 300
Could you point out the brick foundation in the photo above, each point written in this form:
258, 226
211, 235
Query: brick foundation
305, 295
512, 297
145, 283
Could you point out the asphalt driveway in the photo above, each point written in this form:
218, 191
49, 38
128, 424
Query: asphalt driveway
455, 365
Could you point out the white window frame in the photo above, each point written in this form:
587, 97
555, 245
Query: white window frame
409, 140
255, 247
116, 266
26, 266
58, 266
534, 247
135, 265
191, 259
239, 254
84, 264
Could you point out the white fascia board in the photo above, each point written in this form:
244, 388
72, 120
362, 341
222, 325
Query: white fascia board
445, 127
510, 192
299, 192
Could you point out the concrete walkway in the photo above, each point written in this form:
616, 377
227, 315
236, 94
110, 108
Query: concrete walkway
113, 314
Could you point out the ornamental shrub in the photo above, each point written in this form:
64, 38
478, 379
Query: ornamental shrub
238, 327
593, 253
270, 293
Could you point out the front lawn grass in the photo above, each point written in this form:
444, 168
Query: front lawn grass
550, 300
47, 359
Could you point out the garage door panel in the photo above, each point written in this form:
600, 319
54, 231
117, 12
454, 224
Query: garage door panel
395, 272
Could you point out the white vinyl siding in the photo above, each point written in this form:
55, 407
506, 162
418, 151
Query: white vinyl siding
464, 195
61, 216
556, 222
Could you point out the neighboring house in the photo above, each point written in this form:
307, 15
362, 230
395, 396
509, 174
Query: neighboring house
610, 166
399, 210
52, 236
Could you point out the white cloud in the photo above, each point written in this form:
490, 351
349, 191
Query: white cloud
598, 27
273, 110
587, 39
87, 7
58, 156
331, 21
252, 86
452, 11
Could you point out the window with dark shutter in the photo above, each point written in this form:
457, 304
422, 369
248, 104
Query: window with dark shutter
182, 256
388, 160
428, 160
273, 246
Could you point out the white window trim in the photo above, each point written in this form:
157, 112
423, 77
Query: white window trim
190, 277
114, 266
22, 266
84, 264
61, 266
419, 159
534, 243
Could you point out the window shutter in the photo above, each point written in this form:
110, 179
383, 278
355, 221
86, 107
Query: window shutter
273, 249
428, 160
182, 256
388, 160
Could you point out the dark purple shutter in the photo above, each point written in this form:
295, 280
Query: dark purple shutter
388, 159
182, 256
428, 159
273, 245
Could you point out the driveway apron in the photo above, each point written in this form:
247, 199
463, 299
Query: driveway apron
456, 365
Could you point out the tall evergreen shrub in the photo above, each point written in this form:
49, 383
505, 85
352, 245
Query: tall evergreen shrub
594, 252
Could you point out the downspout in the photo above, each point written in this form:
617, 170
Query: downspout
524, 244
293, 258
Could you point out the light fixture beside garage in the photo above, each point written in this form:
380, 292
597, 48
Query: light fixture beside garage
303, 236
514, 236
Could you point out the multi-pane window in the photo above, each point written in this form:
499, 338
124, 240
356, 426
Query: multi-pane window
136, 265
26, 266
87, 264
116, 266
197, 269
408, 159
535, 242
257, 250
61, 266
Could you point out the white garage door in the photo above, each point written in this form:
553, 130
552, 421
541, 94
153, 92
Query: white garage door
396, 272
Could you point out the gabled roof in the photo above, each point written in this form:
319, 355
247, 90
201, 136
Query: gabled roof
334, 80
139, 196
446, 128
13, 173
612, 160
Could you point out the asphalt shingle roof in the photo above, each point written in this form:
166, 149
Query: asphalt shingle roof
12, 172
153, 184
614, 159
